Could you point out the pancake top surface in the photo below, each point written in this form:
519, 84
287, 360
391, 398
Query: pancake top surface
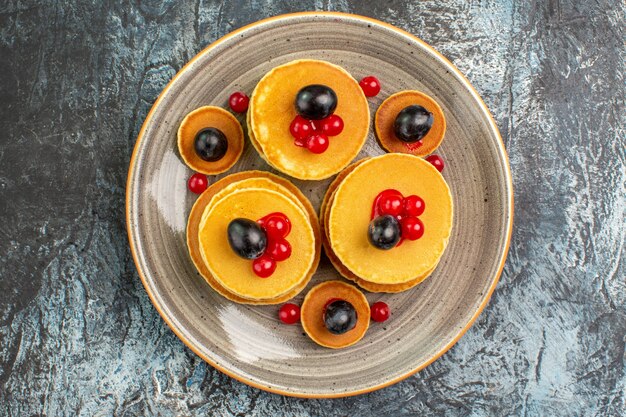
386, 117
350, 216
235, 273
312, 316
272, 111
205, 117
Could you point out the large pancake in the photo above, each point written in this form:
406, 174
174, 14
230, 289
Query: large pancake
194, 221
234, 272
345, 272
350, 211
272, 110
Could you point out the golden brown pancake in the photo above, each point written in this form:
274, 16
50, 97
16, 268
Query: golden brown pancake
272, 110
312, 314
350, 212
345, 272
194, 221
234, 272
386, 116
205, 117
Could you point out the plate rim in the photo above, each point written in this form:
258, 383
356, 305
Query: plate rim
500, 145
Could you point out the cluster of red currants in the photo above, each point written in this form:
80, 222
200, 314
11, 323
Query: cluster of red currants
403, 212
276, 226
314, 134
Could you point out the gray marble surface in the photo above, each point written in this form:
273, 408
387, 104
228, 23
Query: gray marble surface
78, 335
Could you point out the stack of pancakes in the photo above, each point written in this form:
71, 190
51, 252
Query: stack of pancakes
252, 195
345, 216
272, 109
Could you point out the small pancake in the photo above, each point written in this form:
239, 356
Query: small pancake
350, 211
386, 116
194, 222
272, 110
204, 117
343, 271
312, 314
234, 272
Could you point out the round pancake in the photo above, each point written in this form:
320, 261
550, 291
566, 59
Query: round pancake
194, 222
312, 314
201, 118
350, 211
343, 271
272, 110
234, 272
386, 116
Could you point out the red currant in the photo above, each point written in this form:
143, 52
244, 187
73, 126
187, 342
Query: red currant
413, 206
239, 101
264, 266
289, 313
390, 204
197, 183
317, 143
279, 250
276, 225
331, 126
300, 128
380, 311
437, 162
370, 86
412, 228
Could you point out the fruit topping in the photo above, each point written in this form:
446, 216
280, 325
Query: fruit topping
437, 162
315, 122
394, 219
289, 313
317, 143
413, 206
390, 203
316, 102
370, 86
238, 102
277, 225
262, 241
247, 238
384, 232
380, 311
331, 125
412, 228
264, 266
211, 144
412, 123
413, 146
340, 317
279, 250
385, 203
197, 183
301, 128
